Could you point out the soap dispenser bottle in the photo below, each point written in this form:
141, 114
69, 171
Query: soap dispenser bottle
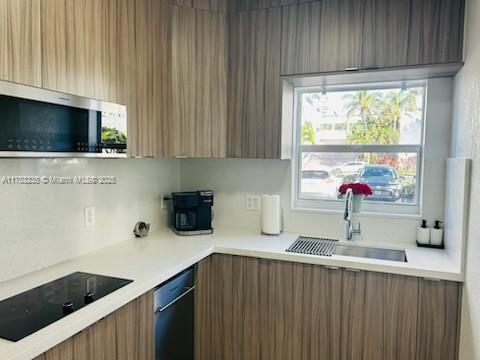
436, 237
423, 234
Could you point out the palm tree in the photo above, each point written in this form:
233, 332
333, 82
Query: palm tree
308, 133
397, 102
363, 103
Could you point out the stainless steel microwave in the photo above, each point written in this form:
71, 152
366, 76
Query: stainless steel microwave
37, 122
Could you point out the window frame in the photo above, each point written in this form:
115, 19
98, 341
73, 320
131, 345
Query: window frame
300, 202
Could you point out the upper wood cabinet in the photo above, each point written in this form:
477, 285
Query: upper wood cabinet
332, 35
323, 36
254, 84
212, 5
202, 78
412, 32
197, 126
78, 55
386, 37
438, 27
151, 83
20, 39
115, 50
236, 5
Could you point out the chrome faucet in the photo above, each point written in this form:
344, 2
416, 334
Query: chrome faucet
349, 229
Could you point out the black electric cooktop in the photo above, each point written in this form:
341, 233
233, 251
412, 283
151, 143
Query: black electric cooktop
32, 310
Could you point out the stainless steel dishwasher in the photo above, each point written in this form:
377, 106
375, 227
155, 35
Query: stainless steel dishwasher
174, 317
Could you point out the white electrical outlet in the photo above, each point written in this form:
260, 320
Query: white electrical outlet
253, 202
90, 217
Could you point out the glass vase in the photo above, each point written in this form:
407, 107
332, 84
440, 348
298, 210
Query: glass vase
357, 203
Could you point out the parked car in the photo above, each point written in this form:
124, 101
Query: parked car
351, 168
319, 182
383, 180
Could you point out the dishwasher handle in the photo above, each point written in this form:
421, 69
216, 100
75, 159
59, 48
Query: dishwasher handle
163, 308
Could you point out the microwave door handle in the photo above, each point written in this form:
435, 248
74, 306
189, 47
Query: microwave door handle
163, 308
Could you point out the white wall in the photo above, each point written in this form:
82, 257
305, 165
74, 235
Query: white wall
233, 179
466, 143
41, 225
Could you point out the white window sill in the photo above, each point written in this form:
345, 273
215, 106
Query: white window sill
361, 214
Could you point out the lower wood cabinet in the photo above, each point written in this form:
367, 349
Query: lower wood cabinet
126, 334
248, 308
259, 309
439, 317
379, 316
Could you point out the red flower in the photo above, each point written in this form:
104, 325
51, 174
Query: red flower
357, 189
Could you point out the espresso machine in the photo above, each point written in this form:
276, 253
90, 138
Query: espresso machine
191, 213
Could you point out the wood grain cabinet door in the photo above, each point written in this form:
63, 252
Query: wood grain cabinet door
386, 33
323, 36
306, 311
114, 50
254, 84
227, 308
417, 32
20, 39
126, 334
439, 315
379, 316
197, 127
148, 73
95, 342
134, 329
63, 351
435, 31
353, 314
250, 308
78, 47
390, 323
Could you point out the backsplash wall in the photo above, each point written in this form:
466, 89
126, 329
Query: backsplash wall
41, 225
233, 179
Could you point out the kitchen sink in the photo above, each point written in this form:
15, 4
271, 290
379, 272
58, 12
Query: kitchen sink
328, 247
370, 252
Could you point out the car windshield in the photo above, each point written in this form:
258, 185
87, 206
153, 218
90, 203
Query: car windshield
378, 172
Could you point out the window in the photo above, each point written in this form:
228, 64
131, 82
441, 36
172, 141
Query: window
371, 134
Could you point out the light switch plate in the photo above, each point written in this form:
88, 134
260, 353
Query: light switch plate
90, 217
253, 202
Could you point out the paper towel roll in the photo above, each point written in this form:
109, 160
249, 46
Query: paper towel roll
271, 215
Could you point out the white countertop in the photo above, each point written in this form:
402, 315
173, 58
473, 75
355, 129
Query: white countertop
152, 260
